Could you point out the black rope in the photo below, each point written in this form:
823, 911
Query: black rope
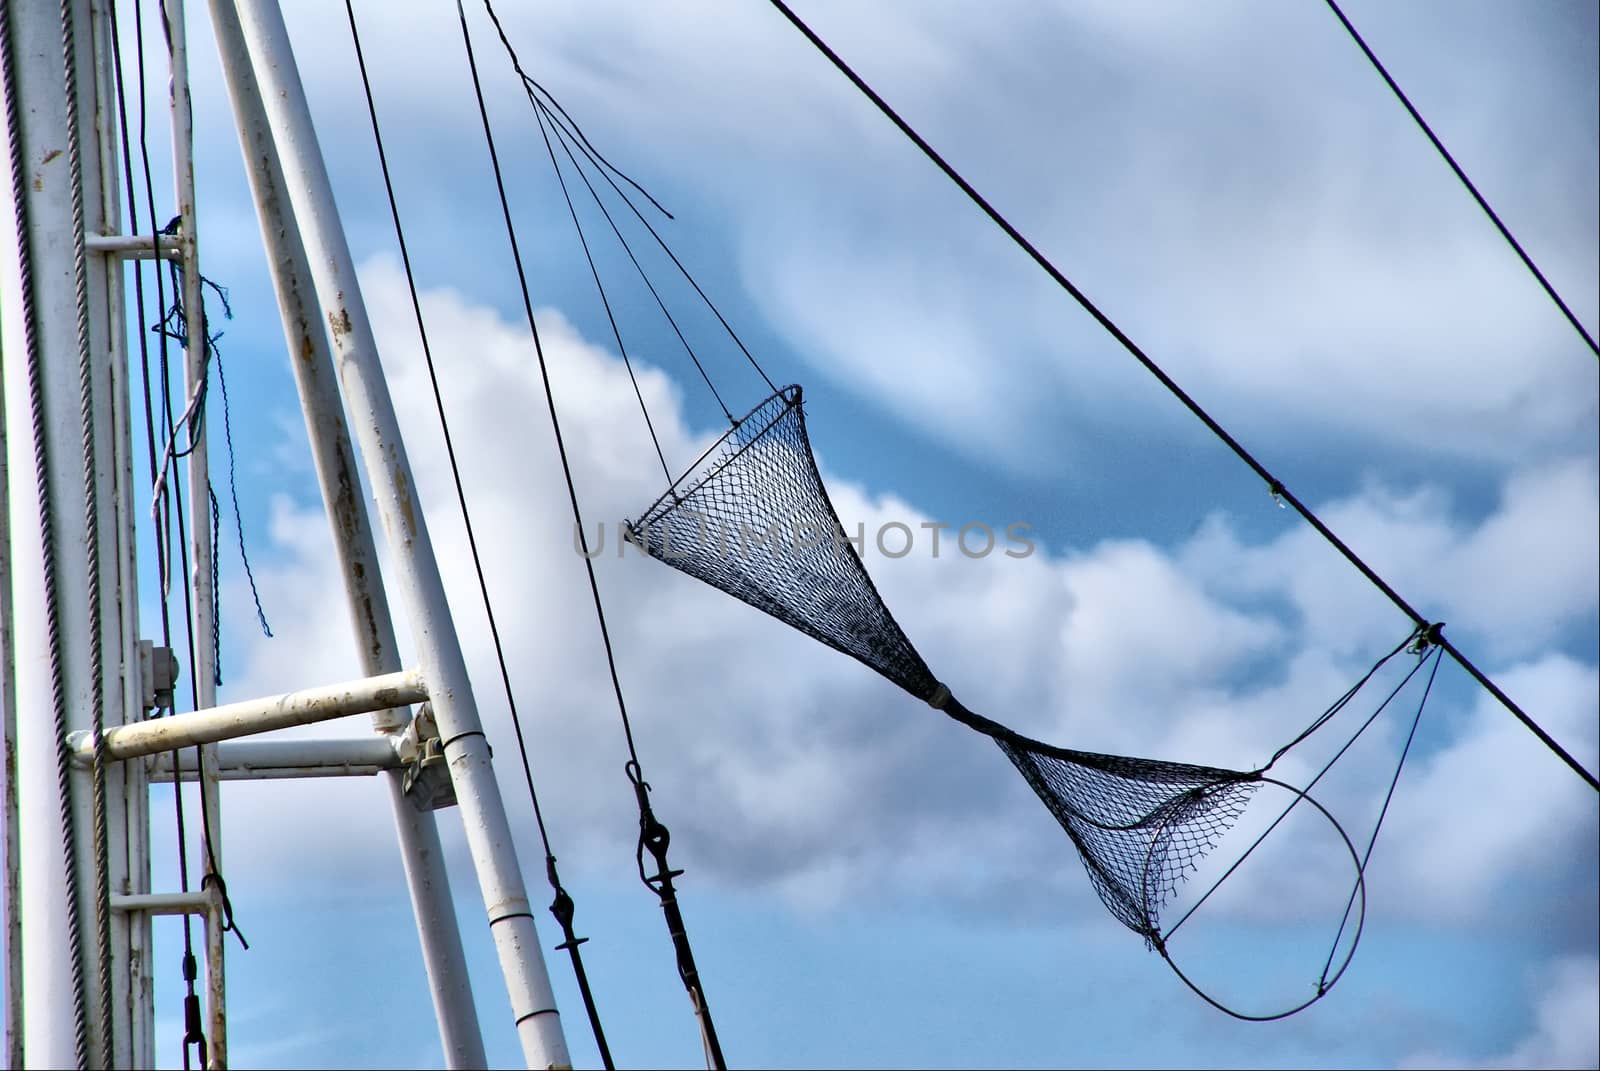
193, 1024
1388, 797
233, 481
1483, 203
541, 110
1423, 646
616, 332
1273, 483
669, 905
654, 838
1339, 704
562, 906
1309, 786
176, 325
171, 496
570, 125
605, 169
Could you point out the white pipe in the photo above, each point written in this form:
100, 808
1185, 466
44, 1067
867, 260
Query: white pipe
37, 88
134, 246
421, 854
127, 793
178, 903
254, 716
439, 655
239, 760
203, 643
11, 814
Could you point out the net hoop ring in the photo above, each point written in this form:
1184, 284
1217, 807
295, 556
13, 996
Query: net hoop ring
1325, 986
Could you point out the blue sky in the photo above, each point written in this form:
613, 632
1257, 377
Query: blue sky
868, 884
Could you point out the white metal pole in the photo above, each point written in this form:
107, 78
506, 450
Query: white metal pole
35, 333
203, 646
54, 191
11, 817
421, 854
251, 717
417, 573
127, 793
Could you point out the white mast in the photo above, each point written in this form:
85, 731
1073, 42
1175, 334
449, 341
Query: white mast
368, 604
61, 288
421, 588
70, 553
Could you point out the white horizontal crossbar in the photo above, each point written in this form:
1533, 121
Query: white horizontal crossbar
254, 716
247, 760
177, 903
134, 246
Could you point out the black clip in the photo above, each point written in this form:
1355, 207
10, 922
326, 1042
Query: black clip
1427, 636
562, 907
193, 1025
654, 837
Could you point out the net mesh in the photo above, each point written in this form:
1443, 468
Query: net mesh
753, 519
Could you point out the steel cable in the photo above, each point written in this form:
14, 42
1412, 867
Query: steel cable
1273, 483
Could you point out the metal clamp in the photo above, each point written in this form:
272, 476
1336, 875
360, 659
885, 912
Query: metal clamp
426, 782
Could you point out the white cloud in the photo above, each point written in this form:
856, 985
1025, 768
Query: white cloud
1297, 258
783, 764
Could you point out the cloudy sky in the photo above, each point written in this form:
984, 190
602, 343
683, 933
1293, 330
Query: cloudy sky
867, 883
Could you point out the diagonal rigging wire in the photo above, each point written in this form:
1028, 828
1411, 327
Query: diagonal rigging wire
653, 835
1483, 203
563, 907
1273, 483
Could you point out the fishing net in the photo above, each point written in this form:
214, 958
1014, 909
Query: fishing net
752, 518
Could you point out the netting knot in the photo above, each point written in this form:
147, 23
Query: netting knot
940, 697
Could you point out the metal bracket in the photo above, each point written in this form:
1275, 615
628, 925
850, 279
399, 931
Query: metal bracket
158, 675
427, 778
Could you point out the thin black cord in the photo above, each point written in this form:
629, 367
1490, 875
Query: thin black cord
574, 129
1273, 483
1383, 811
1338, 704
566, 147
1483, 203
563, 907
665, 248
544, 374
652, 834
605, 302
163, 542
449, 441
1348, 744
